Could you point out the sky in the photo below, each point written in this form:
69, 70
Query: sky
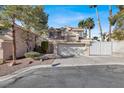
70, 15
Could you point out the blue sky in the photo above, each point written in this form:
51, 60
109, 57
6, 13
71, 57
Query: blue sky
70, 15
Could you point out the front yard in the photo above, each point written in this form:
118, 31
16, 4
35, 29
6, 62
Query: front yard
21, 63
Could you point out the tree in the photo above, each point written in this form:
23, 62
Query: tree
98, 18
117, 20
9, 17
121, 7
118, 35
89, 25
31, 18
82, 24
110, 25
36, 20
42, 19
27, 38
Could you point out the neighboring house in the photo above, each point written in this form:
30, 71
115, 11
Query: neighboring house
79, 31
21, 43
60, 33
56, 33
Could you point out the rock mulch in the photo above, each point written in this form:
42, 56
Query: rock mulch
21, 63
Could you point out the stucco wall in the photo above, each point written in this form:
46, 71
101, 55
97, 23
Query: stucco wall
118, 47
1, 53
7, 50
21, 46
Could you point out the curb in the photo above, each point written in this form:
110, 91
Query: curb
102, 64
21, 71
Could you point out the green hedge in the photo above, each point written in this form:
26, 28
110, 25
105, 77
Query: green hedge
44, 46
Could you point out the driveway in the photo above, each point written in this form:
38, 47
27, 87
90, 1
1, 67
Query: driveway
103, 76
89, 60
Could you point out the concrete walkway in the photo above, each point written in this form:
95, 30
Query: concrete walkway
90, 60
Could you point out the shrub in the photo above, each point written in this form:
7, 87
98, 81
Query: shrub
118, 35
1, 61
32, 54
44, 46
38, 49
37, 58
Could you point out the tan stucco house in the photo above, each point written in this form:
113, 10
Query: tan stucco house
60, 33
21, 46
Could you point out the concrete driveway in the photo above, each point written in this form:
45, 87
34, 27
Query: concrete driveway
89, 60
69, 77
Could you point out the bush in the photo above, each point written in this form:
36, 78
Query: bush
38, 49
32, 54
44, 46
37, 58
1, 61
118, 35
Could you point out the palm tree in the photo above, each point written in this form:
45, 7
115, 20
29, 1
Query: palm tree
90, 25
118, 17
110, 25
121, 7
82, 24
117, 20
99, 23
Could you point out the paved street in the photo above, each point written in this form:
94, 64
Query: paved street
64, 77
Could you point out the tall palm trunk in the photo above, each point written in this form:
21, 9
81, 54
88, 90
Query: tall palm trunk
110, 26
14, 42
89, 33
99, 24
86, 33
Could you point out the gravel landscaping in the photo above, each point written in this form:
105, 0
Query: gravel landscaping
21, 63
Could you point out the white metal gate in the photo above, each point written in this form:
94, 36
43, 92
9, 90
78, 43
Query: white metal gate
101, 49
